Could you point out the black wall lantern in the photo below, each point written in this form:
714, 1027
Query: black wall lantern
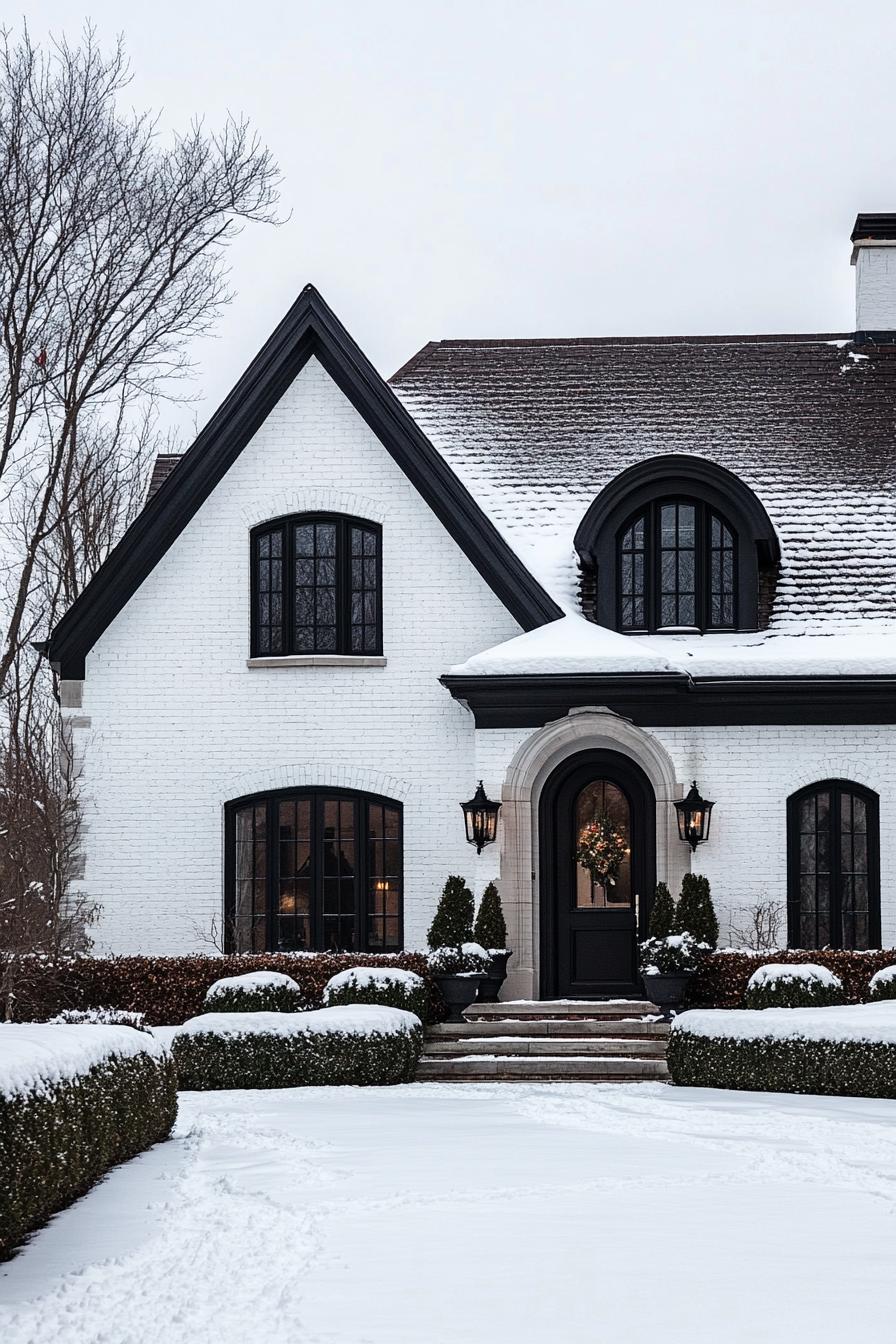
694, 813
481, 819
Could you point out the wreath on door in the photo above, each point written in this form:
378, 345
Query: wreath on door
602, 849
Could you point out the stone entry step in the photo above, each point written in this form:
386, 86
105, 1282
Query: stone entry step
592, 1010
566, 1068
557, 1028
507, 1046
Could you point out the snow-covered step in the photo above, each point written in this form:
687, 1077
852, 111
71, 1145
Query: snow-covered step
555, 1028
551, 1068
511, 1046
594, 1010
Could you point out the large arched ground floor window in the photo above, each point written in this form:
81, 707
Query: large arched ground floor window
833, 866
313, 870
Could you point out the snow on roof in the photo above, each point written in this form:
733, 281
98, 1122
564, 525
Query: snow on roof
574, 645
536, 429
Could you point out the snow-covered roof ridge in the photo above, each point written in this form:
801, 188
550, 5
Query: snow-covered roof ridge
536, 429
574, 645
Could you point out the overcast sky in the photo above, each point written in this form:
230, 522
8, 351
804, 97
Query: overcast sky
533, 167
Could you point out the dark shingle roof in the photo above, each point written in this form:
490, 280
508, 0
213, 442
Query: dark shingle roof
161, 470
536, 428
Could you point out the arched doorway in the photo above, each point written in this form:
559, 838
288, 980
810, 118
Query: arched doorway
589, 932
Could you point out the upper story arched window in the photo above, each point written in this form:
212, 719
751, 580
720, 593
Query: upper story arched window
316, 586
676, 544
676, 568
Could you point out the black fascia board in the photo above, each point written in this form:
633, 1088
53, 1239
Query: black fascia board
309, 328
669, 699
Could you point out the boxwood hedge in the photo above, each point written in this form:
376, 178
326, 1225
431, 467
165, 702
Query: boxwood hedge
59, 1138
233, 1058
255, 992
778, 985
763, 1064
390, 989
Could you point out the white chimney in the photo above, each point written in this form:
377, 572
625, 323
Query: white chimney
874, 257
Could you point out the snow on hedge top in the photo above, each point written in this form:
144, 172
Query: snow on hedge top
777, 971
251, 980
35, 1055
362, 977
875, 1022
356, 1019
882, 977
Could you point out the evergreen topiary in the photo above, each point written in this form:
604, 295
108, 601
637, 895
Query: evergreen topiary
695, 912
662, 912
453, 922
490, 930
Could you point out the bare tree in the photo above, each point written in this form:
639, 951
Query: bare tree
759, 926
111, 257
112, 252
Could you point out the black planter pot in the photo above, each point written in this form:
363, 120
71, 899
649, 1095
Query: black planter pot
497, 974
458, 991
667, 991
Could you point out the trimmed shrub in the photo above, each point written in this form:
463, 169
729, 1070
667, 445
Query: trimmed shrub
662, 912
169, 990
490, 930
722, 977
882, 984
675, 954
780, 986
695, 912
60, 1134
453, 921
361, 1046
389, 988
255, 992
763, 1064
102, 1017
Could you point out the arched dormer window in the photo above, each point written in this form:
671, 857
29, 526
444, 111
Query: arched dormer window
316, 586
677, 543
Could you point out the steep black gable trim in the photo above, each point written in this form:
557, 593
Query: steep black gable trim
673, 699
309, 328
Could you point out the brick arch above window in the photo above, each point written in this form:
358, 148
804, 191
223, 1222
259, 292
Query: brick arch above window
716, 525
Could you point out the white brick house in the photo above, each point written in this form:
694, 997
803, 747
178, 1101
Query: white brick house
586, 572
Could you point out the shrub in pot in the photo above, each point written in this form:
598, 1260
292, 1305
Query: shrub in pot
490, 932
882, 984
458, 972
785, 985
695, 912
662, 912
667, 965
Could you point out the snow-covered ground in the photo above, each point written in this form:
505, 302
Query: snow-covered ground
615, 1214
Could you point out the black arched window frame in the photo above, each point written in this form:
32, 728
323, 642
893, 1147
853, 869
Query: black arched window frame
347, 527
705, 516
365, 912
837, 789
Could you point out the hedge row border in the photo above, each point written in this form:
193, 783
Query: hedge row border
766, 1064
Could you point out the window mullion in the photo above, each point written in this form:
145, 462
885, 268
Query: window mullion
362, 831
343, 638
836, 894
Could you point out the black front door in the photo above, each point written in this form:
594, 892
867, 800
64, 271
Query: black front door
589, 933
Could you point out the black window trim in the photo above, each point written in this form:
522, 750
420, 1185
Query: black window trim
286, 524
872, 813
677, 476
651, 512
271, 798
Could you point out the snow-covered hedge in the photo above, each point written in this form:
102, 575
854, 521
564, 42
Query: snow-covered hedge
387, 986
779, 985
361, 1045
74, 1101
255, 992
841, 1051
882, 984
102, 1017
722, 976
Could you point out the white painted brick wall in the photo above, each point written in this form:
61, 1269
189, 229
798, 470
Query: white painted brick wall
750, 773
876, 288
179, 724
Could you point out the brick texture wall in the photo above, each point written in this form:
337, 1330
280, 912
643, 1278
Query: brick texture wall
173, 723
